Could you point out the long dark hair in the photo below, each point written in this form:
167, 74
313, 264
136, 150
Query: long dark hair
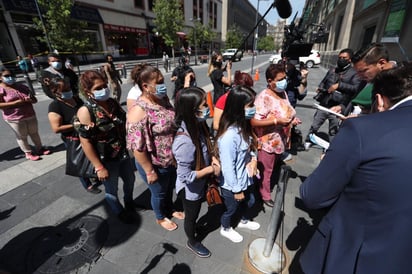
234, 114
186, 107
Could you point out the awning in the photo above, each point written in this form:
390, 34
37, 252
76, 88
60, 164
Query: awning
86, 14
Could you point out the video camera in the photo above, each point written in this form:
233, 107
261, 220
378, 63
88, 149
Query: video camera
293, 44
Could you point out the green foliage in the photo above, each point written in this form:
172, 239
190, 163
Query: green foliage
168, 19
65, 34
233, 37
204, 34
266, 43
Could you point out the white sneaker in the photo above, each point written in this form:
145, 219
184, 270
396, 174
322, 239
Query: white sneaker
249, 225
286, 156
231, 234
307, 145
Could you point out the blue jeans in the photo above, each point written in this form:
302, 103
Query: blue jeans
161, 191
123, 169
232, 205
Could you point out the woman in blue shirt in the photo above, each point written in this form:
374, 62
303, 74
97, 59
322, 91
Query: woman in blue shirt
237, 151
192, 149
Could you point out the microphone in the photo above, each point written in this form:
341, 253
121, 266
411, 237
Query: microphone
284, 8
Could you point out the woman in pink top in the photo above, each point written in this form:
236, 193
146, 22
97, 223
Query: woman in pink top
272, 123
16, 103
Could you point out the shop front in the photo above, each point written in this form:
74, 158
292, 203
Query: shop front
122, 41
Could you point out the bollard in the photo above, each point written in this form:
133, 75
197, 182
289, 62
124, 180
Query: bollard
264, 254
124, 71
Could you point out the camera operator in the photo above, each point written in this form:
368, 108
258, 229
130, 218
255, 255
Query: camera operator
338, 87
179, 75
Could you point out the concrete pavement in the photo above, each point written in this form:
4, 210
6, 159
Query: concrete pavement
48, 223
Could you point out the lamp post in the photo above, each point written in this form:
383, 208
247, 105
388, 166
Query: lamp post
194, 36
256, 36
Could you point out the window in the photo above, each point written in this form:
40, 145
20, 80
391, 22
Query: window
368, 36
139, 4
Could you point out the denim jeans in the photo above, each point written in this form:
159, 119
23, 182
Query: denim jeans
123, 169
232, 205
161, 191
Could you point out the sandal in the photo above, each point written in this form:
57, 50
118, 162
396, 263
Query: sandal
167, 224
179, 215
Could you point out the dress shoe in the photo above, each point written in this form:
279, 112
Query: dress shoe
199, 249
269, 203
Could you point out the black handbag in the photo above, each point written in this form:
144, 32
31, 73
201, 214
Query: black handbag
77, 164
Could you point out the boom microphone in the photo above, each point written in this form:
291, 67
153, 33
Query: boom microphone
283, 7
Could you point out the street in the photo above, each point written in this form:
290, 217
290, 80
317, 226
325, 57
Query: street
38, 199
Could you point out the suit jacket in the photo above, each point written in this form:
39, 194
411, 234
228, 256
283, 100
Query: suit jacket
366, 180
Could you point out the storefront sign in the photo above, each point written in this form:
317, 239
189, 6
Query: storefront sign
116, 28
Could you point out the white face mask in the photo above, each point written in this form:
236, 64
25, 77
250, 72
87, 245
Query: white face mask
56, 65
281, 85
101, 94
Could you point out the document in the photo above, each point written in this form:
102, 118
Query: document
328, 110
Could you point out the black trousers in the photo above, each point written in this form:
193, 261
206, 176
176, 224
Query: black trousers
192, 210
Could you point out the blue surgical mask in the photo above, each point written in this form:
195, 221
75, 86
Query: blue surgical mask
8, 80
205, 114
67, 95
56, 65
281, 85
101, 94
250, 112
161, 91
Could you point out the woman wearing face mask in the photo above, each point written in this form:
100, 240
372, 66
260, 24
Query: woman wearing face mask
150, 132
237, 147
272, 123
61, 112
219, 81
16, 103
101, 127
192, 149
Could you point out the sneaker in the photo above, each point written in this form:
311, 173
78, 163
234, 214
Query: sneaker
286, 156
319, 141
199, 249
307, 145
269, 203
44, 151
93, 189
249, 225
32, 157
231, 234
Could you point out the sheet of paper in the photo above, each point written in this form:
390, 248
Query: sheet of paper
328, 110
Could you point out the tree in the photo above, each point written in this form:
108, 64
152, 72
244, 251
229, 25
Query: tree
266, 43
168, 20
65, 34
233, 37
204, 34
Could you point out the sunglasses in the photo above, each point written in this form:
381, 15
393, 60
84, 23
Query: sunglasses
8, 75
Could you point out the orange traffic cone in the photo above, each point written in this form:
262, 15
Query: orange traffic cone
257, 75
209, 102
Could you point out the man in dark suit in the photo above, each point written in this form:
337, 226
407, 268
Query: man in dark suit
365, 181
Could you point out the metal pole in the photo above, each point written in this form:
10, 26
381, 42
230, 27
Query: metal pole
255, 38
44, 26
275, 218
194, 30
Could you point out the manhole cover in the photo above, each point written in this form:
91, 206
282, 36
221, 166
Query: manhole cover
62, 249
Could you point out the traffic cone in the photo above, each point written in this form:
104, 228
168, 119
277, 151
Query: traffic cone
257, 75
209, 102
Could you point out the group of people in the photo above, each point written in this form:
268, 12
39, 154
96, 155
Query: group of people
173, 148
363, 181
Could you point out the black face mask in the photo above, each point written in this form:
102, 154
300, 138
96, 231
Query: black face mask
218, 64
342, 63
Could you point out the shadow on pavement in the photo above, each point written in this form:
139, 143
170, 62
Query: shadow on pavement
6, 213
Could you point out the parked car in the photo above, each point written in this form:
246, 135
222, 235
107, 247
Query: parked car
310, 61
228, 54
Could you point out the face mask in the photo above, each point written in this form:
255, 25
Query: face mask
101, 94
161, 91
250, 113
205, 114
8, 80
342, 63
67, 95
218, 64
281, 85
56, 65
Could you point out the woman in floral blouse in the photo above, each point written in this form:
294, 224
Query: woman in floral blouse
150, 132
101, 126
272, 123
